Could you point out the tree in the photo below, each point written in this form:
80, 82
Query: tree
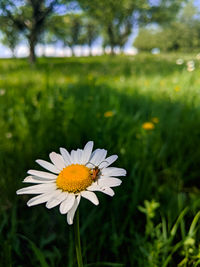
162, 12
183, 33
74, 31
29, 17
122, 33
113, 16
10, 35
46, 38
118, 18
146, 39
67, 29
90, 32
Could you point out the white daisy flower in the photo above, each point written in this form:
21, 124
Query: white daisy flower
198, 56
2, 92
72, 176
179, 61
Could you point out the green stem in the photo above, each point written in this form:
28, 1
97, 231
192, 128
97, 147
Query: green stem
77, 240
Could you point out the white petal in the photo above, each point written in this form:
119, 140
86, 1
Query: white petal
66, 156
70, 214
57, 160
92, 160
108, 161
90, 196
42, 174
36, 180
67, 204
37, 189
44, 180
87, 151
56, 199
113, 172
50, 167
109, 182
108, 191
94, 185
74, 157
79, 156
105, 190
98, 156
40, 199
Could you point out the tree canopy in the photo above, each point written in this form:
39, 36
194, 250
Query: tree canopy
29, 17
182, 34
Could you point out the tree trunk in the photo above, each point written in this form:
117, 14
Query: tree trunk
13, 52
43, 50
112, 50
104, 50
72, 51
111, 38
121, 48
90, 49
32, 43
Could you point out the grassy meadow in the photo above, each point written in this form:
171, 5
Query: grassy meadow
145, 109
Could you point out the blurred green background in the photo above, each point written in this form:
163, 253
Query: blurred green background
145, 108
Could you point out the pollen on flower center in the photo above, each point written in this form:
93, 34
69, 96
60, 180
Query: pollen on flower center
74, 178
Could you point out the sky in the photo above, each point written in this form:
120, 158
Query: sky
58, 51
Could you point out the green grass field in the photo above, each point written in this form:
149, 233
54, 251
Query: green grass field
153, 220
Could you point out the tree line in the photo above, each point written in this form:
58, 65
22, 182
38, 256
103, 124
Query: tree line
180, 34
43, 21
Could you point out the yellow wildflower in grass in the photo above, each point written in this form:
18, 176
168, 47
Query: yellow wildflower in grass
108, 114
148, 126
155, 120
162, 83
177, 88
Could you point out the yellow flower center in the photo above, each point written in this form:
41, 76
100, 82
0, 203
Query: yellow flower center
74, 178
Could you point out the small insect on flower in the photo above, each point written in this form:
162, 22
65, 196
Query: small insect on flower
95, 172
72, 176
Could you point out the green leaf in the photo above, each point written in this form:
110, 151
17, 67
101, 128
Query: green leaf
37, 252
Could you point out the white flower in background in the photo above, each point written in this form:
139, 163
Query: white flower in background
8, 135
190, 63
190, 69
179, 61
198, 56
190, 66
72, 176
2, 92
